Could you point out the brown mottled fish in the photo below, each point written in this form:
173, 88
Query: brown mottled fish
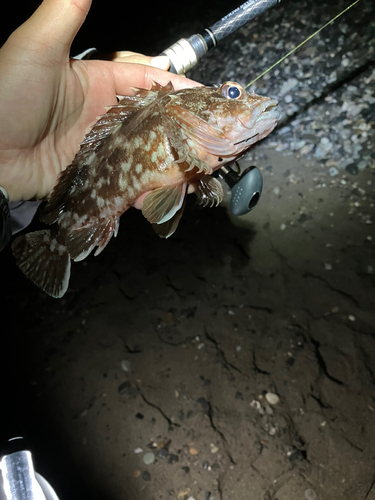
149, 147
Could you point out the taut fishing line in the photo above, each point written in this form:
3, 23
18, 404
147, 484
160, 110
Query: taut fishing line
302, 43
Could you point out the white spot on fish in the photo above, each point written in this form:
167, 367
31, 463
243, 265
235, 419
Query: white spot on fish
138, 168
161, 150
146, 177
100, 202
91, 158
93, 193
118, 201
138, 142
100, 182
125, 167
154, 157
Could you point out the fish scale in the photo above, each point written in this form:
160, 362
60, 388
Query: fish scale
148, 150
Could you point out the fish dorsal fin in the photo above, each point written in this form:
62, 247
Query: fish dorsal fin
160, 205
207, 137
209, 191
116, 116
156, 88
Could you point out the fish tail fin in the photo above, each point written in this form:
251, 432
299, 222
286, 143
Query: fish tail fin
44, 261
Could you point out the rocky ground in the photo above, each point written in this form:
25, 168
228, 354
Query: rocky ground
236, 359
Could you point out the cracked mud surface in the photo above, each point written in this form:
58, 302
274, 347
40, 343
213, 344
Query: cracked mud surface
210, 321
206, 324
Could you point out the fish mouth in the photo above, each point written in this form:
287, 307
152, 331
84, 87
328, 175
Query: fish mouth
264, 122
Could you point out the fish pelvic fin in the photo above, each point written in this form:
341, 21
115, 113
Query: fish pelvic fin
161, 205
44, 261
209, 191
166, 229
81, 241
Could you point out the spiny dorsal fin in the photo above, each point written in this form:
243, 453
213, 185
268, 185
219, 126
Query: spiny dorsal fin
116, 116
156, 88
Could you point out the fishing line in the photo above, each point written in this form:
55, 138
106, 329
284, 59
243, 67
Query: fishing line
300, 45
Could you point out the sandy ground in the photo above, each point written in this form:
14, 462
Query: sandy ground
233, 361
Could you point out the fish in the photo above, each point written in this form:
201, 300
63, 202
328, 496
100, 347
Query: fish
151, 149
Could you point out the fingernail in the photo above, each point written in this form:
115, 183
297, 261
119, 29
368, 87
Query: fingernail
161, 62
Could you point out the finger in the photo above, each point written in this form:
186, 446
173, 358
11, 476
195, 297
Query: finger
142, 76
161, 62
54, 24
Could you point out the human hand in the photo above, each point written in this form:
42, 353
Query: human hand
48, 101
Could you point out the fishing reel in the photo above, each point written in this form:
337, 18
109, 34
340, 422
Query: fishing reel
246, 187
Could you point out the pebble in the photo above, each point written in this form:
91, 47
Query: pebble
352, 169
310, 494
149, 458
125, 365
288, 85
333, 171
214, 449
327, 266
146, 476
138, 450
193, 451
351, 317
173, 459
272, 398
163, 453
191, 498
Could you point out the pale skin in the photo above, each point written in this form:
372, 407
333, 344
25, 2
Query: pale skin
48, 102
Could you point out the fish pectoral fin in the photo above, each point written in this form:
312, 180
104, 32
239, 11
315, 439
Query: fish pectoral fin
161, 205
166, 229
81, 241
209, 191
44, 261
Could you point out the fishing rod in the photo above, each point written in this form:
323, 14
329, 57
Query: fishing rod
185, 54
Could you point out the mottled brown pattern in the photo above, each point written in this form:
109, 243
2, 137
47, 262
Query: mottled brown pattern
116, 157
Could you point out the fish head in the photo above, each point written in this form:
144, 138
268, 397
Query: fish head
223, 122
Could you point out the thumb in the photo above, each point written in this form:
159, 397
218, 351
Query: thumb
55, 24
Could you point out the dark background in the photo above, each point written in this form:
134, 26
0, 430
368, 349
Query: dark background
136, 26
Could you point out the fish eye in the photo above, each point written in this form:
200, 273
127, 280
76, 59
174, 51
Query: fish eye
232, 90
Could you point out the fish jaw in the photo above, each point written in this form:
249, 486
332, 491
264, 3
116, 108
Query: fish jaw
254, 121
